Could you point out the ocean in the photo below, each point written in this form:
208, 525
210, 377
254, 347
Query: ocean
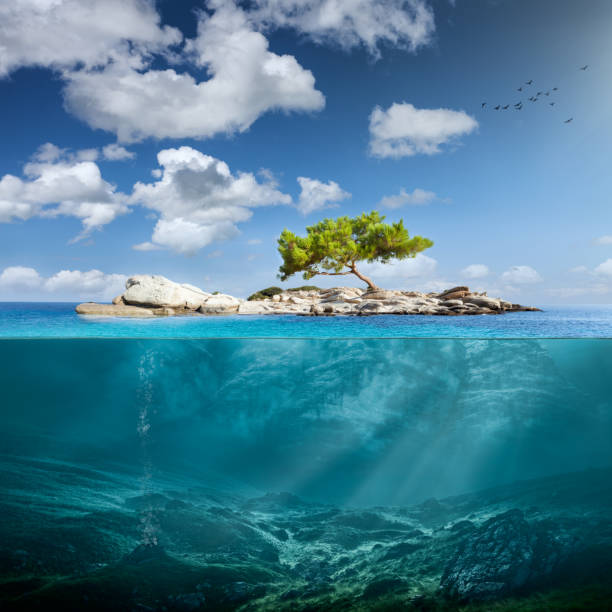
301, 463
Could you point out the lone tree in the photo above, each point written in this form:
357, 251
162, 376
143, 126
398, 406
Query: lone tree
333, 247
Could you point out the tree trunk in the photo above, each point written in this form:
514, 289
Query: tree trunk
365, 279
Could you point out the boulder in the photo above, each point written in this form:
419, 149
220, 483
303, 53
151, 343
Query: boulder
119, 300
220, 304
113, 310
158, 291
447, 293
455, 295
504, 556
483, 302
254, 307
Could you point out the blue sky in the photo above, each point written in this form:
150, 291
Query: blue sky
180, 138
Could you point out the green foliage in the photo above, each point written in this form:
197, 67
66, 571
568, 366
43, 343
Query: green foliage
334, 246
305, 288
264, 293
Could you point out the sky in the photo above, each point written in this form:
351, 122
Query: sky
180, 138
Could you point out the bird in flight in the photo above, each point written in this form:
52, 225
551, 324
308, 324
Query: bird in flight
483, 105
539, 93
533, 99
584, 67
569, 120
529, 82
505, 107
518, 106
547, 93
555, 89
552, 103
497, 107
520, 89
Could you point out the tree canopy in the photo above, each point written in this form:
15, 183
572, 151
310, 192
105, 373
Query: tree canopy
333, 247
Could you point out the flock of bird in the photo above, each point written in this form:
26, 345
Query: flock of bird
533, 98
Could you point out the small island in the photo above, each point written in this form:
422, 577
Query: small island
149, 296
332, 247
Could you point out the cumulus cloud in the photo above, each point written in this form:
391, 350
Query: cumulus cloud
405, 269
349, 23
20, 280
475, 271
418, 197
199, 200
604, 268
60, 183
521, 275
404, 130
19, 277
90, 283
66, 33
245, 81
315, 195
115, 152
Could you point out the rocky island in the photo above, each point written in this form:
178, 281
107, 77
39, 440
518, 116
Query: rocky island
150, 295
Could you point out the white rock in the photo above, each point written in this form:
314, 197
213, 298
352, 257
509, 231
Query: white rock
220, 304
149, 290
254, 307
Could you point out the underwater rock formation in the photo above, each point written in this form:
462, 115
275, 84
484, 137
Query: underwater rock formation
504, 556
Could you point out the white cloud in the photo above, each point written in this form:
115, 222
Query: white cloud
579, 270
521, 275
115, 152
146, 246
475, 271
348, 23
245, 81
315, 195
19, 277
24, 281
604, 268
254, 241
418, 197
92, 283
59, 183
411, 268
66, 33
199, 200
603, 240
403, 130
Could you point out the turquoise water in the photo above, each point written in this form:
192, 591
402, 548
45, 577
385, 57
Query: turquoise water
305, 473
59, 320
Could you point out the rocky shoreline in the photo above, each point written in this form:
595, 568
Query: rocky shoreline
150, 296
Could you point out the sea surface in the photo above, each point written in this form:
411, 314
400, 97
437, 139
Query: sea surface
298, 463
53, 320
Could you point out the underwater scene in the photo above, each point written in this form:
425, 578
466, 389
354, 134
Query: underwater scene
306, 474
